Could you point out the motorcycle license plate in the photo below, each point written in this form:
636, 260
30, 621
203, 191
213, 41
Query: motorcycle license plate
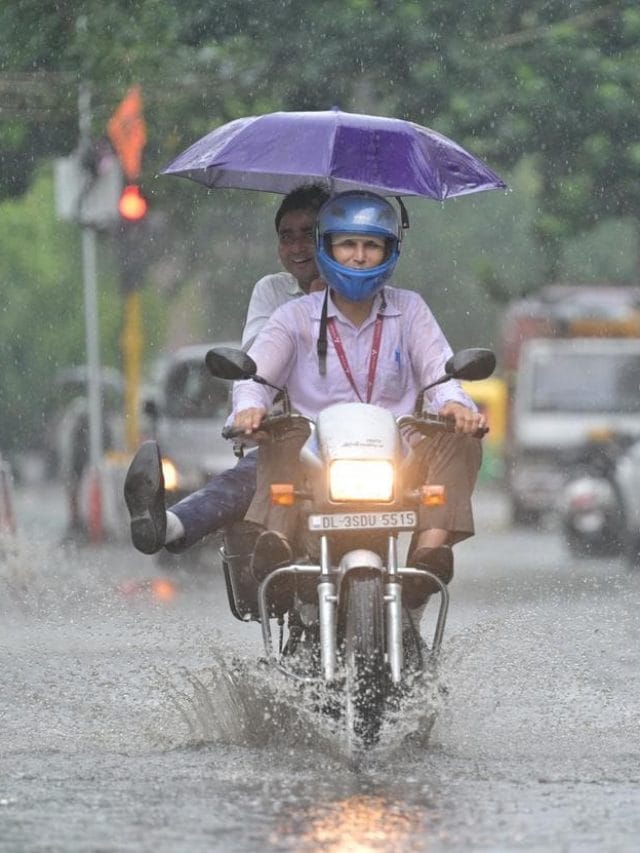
363, 521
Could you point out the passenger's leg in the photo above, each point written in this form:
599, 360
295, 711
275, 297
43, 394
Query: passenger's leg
222, 501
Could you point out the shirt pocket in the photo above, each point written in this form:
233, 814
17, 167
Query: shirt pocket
392, 379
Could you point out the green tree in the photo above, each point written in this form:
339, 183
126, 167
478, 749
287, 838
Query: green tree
547, 78
545, 90
557, 81
42, 321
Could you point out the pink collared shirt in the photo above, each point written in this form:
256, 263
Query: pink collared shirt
413, 351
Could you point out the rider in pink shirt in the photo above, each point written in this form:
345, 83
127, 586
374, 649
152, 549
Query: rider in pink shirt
360, 340
413, 351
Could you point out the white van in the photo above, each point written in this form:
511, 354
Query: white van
565, 389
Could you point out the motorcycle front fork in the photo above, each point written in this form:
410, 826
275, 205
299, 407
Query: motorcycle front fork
328, 600
328, 605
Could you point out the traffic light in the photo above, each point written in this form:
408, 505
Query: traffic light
132, 205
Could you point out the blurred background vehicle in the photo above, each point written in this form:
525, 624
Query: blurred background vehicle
187, 418
565, 390
627, 481
65, 446
591, 506
66, 416
571, 359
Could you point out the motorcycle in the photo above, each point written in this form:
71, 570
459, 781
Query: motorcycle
352, 609
590, 504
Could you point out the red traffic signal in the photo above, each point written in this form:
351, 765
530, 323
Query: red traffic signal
132, 205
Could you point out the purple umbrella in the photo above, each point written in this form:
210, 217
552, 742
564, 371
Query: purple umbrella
277, 152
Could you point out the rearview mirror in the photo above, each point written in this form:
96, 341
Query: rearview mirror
471, 364
228, 363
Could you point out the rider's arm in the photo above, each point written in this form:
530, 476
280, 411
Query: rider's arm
261, 307
429, 352
274, 353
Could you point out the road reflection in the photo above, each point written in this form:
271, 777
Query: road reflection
357, 823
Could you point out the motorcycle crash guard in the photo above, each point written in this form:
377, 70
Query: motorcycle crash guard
416, 590
242, 588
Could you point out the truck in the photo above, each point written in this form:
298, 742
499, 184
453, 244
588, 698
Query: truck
571, 363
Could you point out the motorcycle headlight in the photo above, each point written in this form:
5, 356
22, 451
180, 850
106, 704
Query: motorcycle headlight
170, 474
361, 480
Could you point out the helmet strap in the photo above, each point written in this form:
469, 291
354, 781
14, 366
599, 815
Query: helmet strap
404, 215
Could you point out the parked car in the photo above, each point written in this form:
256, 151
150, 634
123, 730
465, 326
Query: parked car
66, 414
188, 416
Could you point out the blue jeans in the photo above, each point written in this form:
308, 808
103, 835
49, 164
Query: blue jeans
224, 499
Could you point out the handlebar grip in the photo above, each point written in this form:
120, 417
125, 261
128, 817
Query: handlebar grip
432, 422
268, 424
231, 432
449, 425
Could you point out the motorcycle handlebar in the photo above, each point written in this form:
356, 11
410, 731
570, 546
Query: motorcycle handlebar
429, 422
268, 424
231, 432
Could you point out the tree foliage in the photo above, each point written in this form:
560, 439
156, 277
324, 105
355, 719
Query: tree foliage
41, 324
542, 89
549, 78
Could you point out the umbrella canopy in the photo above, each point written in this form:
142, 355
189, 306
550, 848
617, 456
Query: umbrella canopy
278, 152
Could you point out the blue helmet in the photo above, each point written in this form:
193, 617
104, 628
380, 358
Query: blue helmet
357, 212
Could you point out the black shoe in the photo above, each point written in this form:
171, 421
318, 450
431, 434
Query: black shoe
438, 561
144, 496
272, 551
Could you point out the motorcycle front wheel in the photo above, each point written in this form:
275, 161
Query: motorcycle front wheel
366, 679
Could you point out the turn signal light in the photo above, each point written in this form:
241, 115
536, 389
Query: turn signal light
433, 496
282, 494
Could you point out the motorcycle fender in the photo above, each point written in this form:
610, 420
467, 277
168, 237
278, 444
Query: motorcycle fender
360, 559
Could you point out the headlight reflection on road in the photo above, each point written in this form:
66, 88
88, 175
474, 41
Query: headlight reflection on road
160, 589
359, 823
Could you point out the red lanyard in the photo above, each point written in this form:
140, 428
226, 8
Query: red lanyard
373, 358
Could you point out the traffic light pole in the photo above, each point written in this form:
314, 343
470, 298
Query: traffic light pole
128, 135
92, 345
90, 301
94, 389
131, 345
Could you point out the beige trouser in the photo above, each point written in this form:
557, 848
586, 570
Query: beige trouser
447, 459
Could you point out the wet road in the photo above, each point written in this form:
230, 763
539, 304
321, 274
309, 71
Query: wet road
133, 716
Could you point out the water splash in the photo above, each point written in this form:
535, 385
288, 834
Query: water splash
245, 702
